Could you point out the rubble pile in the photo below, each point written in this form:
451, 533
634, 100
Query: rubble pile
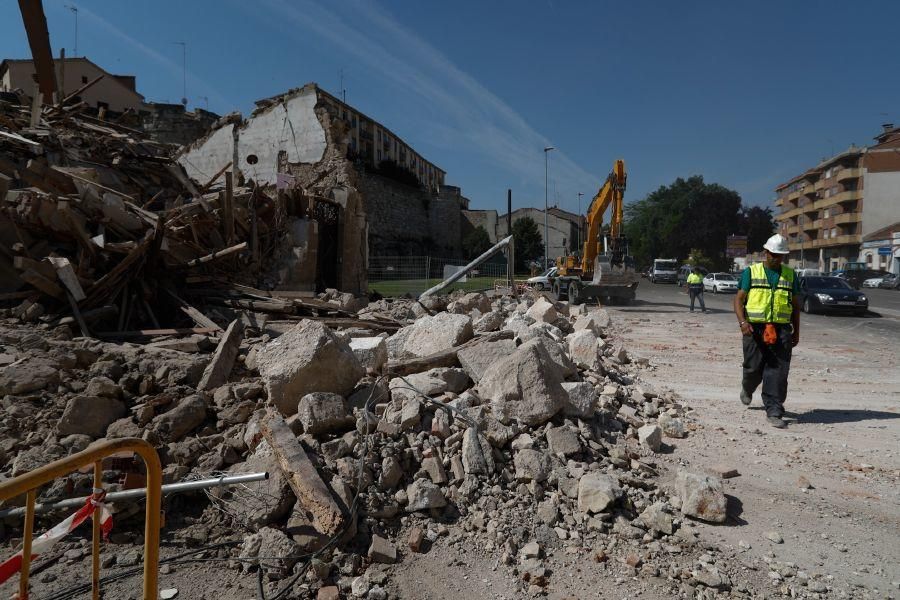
508, 426
107, 232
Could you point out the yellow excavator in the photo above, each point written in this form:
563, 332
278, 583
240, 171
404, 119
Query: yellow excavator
605, 270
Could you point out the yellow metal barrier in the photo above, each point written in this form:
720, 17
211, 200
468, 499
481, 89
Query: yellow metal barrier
29, 482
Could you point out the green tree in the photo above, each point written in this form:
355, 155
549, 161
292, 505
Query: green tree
689, 214
758, 225
698, 259
528, 243
476, 243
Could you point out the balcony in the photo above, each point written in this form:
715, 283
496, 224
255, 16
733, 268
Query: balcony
809, 190
845, 174
812, 225
790, 230
848, 217
840, 240
847, 196
789, 213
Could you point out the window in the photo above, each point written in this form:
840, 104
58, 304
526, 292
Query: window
826, 213
83, 79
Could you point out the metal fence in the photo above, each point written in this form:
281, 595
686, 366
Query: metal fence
412, 275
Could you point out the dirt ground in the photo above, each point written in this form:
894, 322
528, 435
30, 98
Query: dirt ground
843, 439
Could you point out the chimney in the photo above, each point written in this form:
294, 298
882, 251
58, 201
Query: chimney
886, 127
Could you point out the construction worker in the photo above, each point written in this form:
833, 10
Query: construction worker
768, 314
695, 288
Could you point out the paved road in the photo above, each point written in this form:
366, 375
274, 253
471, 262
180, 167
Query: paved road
883, 320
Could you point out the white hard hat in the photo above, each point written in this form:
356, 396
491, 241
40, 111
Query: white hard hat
777, 244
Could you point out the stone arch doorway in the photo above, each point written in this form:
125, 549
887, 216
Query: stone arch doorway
327, 215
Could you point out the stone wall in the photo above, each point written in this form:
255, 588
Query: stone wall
172, 124
406, 221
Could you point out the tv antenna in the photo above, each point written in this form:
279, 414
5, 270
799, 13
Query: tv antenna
183, 45
74, 10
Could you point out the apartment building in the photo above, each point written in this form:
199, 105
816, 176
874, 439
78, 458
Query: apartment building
826, 211
116, 93
374, 143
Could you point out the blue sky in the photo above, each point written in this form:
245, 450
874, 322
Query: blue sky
746, 94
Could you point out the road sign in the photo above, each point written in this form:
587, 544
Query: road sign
736, 246
884, 251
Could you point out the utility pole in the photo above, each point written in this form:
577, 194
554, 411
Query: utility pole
343, 91
74, 10
546, 203
580, 221
183, 45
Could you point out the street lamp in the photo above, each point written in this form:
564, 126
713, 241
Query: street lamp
580, 223
546, 200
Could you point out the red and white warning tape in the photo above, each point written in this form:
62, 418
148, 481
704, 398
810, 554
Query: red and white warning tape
46, 541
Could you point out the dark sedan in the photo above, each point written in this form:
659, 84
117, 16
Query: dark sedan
826, 294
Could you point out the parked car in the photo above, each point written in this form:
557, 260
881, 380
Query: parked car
544, 280
873, 282
831, 294
856, 277
890, 282
720, 282
684, 271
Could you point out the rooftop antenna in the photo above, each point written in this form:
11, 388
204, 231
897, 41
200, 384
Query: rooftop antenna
205, 100
183, 45
343, 91
74, 10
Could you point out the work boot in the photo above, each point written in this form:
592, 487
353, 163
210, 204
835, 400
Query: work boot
746, 398
776, 422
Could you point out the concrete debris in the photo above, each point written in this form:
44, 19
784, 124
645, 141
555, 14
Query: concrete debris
476, 439
596, 493
90, 415
371, 352
701, 496
525, 386
650, 437
429, 335
308, 358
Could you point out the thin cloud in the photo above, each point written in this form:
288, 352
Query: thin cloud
173, 67
474, 117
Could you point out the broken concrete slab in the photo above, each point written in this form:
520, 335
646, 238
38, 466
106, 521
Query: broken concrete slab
477, 358
371, 352
219, 368
308, 358
177, 422
597, 492
582, 399
524, 386
542, 311
324, 412
584, 350
443, 331
309, 488
90, 415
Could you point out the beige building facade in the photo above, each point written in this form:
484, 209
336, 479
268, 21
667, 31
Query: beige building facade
116, 93
827, 211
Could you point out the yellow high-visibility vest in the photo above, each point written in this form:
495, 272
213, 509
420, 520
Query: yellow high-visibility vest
694, 278
766, 304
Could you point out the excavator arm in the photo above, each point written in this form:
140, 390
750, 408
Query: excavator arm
611, 194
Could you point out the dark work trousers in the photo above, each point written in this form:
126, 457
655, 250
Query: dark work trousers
768, 364
696, 291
